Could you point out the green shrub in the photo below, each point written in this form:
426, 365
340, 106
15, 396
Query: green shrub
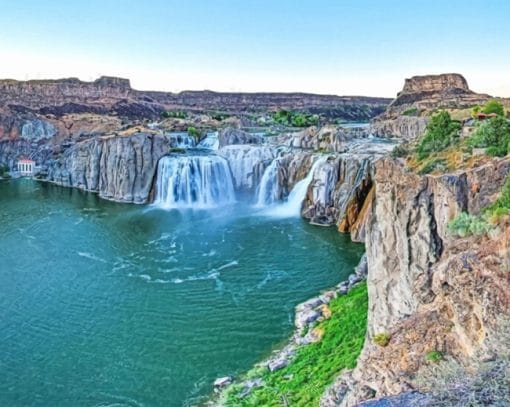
441, 133
399, 151
174, 114
494, 135
412, 111
465, 224
493, 106
381, 339
295, 119
220, 116
432, 165
193, 132
434, 356
502, 205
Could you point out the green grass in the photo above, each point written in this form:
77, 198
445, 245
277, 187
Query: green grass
434, 356
412, 111
304, 380
502, 205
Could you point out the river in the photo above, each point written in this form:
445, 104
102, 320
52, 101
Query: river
113, 304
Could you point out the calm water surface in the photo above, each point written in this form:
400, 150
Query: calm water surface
112, 304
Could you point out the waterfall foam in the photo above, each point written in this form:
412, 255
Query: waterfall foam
210, 142
247, 163
194, 181
292, 207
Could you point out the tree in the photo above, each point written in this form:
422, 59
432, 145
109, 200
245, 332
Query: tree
193, 132
493, 106
441, 133
493, 134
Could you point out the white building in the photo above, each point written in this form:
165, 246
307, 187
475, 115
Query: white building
26, 166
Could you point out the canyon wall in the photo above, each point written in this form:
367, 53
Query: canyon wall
110, 95
427, 291
117, 168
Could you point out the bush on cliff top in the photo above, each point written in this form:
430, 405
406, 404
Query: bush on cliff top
315, 366
493, 134
441, 133
493, 106
465, 224
502, 205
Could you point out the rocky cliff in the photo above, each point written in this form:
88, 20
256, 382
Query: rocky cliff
407, 114
427, 292
110, 95
117, 168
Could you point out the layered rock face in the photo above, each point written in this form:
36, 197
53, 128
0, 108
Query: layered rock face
117, 168
426, 291
406, 116
108, 95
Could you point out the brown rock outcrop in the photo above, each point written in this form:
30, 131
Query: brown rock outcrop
426, 291
406, 116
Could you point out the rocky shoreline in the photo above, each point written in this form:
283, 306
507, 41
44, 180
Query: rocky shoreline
307, 315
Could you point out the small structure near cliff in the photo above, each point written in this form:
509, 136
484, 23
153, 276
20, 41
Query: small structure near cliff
26, 166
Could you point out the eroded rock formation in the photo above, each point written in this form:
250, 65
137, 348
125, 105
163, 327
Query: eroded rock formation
426, 291
117, 168
407, 114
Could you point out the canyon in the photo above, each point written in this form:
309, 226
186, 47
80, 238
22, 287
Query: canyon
427, 291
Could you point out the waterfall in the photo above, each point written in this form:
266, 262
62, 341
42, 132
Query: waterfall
194, 181
292, 207
247, 163
210, 142
268, 191
181, 139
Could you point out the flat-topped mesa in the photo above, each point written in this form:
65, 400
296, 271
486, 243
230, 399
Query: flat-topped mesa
437, 83
408, 113
449, 89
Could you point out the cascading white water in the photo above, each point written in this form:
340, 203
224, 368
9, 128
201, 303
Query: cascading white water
292, 207
181, 140
247, 163
194, 181
211, 141
268, 191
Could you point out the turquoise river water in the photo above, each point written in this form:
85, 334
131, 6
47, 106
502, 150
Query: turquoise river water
106, 304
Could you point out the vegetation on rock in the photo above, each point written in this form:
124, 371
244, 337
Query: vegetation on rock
434, 356
494, 135
381, 339
493, 106
465, 224
441, 133
502, 205
315, 365
295, 119
174, 114
412, 111
193, 132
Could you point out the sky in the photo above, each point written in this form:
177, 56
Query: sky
343, 47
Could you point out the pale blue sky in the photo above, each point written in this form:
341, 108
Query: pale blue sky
326, 46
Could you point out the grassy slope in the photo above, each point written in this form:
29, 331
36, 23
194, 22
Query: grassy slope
315, 366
